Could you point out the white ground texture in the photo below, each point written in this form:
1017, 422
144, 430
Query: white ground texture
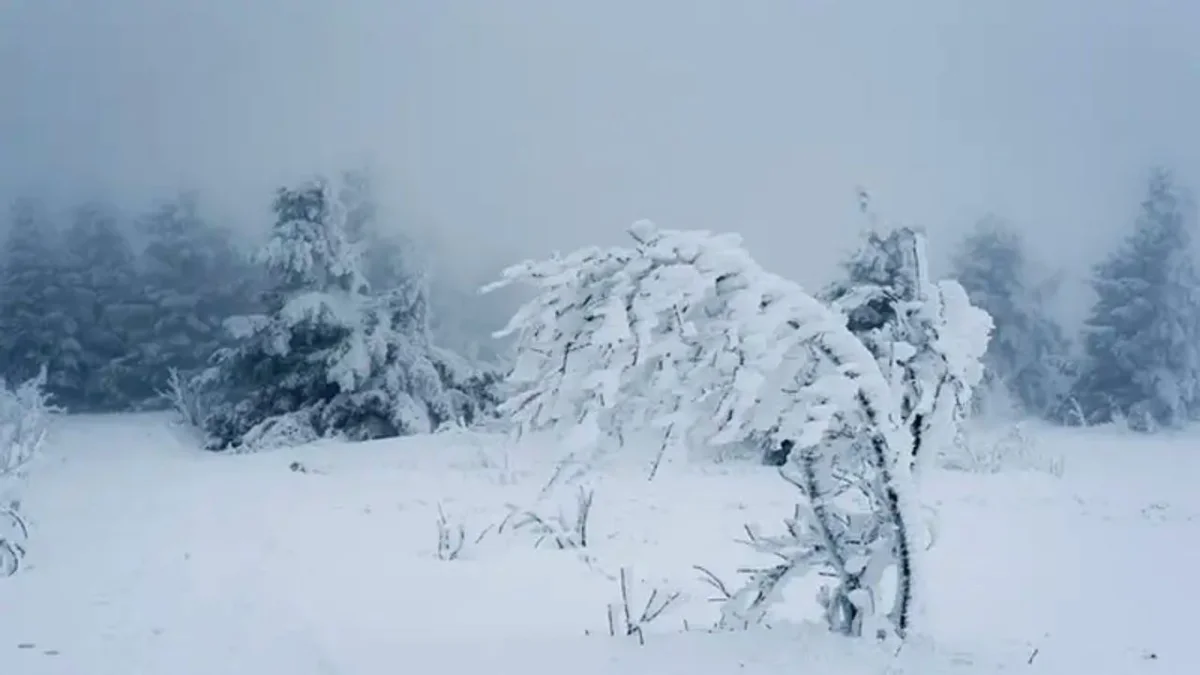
149, 556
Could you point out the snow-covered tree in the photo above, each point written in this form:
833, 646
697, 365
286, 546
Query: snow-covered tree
1142, 338
926, 337
193, 278
1028, 359
36, 327
685, 332
389, 257
394, 256
106, 303
329, 356
400, 275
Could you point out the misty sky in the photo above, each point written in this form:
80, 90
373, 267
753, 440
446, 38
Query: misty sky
515, 126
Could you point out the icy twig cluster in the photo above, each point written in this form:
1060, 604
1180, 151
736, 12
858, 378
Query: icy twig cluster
621, 618
562, 531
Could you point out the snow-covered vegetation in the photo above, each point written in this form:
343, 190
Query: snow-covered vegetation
329, 356
685, 332
863, 415
24, 422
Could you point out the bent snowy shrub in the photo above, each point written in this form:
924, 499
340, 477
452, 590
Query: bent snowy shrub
684, 333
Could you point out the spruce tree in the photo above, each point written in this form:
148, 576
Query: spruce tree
106, 303
1142, 338
1028, 359
330, 356
194, 277
36, 326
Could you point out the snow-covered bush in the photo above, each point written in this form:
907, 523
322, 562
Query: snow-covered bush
187, 398
332, 356
1014, 449
24, 419
685, 332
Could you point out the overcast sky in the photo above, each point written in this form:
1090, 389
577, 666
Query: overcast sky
513, 127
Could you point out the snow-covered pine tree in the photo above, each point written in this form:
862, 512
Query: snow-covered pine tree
194, 277
36, 327
278, 375
1028, 360
1142, 338
400, 274
106, 303
684, 331
458, 317
328, 356
927, 337
389, 256
399, 269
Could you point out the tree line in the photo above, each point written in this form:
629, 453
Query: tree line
108, 305
1136, 359
111, 305
130, 313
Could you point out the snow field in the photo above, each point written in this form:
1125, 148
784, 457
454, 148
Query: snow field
150, 556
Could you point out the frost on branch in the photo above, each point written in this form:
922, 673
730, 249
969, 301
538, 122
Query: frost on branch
686, 332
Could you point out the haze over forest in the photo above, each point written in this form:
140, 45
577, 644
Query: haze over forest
525, 126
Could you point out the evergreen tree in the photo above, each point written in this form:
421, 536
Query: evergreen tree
1028, 358
36, 327
388, 256
106, 303
400, 273
458, 317
329, 356
1142, 338
194, 278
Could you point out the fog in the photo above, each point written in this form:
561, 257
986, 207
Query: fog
512, 127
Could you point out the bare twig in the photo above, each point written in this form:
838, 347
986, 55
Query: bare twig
450, 539
656, 604
662, 451
12, 540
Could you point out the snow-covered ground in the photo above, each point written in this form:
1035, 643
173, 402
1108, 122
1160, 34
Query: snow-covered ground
151, 557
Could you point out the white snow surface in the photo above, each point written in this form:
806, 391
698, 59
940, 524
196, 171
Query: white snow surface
151, 557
